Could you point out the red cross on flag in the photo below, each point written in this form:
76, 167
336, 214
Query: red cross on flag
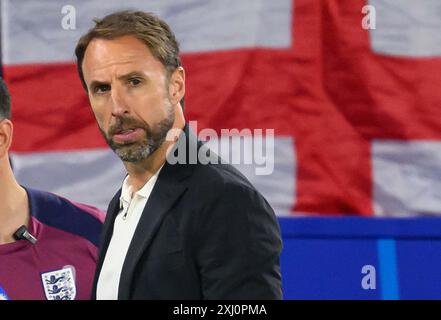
355, 112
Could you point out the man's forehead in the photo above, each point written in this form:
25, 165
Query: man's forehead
123, 48
119, 65
123, 53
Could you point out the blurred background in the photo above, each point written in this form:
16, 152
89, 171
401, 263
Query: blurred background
351, 88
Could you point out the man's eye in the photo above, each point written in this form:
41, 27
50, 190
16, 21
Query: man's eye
101, 88
134, 81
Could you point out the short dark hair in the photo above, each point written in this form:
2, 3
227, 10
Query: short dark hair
5, 101
155, 33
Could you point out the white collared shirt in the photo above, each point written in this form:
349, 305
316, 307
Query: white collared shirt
131, 208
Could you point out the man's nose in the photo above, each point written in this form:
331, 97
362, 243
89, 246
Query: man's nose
119, 105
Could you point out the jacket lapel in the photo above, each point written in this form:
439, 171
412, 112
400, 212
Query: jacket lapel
169, 187
164, 194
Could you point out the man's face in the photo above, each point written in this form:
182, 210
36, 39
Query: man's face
129, 93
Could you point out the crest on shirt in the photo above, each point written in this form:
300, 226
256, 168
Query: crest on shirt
59, 284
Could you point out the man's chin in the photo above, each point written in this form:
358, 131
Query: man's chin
133, 154
129, 160
129, 157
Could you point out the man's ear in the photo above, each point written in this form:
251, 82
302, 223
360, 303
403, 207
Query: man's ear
177, 85
6, 129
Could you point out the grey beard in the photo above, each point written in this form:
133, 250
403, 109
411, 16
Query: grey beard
136, 152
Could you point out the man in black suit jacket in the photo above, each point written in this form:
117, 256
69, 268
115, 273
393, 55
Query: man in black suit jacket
175, 230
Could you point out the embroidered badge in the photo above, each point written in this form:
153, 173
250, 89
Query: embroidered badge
59, 284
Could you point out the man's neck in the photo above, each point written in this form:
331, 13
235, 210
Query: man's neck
14, 207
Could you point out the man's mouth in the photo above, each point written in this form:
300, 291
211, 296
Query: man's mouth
125, 131
127, 135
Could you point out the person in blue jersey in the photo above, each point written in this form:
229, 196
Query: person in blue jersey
48, 244
174, 230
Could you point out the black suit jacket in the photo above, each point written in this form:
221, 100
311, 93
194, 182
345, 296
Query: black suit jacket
205, 233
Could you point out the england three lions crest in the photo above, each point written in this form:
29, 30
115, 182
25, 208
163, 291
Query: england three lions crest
59, 284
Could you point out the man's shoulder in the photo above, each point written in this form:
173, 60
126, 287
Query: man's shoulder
217, 183
50, 203
220, 176
61, 213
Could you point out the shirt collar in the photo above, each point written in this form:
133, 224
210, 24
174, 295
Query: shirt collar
144, 192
